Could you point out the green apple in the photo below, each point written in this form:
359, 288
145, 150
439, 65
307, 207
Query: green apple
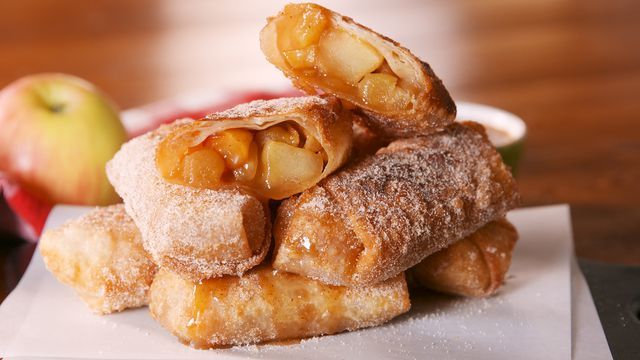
57, 132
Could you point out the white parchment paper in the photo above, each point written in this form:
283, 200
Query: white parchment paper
530, 318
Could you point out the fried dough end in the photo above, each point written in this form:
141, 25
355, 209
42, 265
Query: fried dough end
100, 255
474, 266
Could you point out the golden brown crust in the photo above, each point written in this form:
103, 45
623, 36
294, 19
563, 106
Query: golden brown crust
473, 266
265, 304
100, 255
198, 233
433, 108
386, 213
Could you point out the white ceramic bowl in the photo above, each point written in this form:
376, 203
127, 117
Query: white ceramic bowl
506, 130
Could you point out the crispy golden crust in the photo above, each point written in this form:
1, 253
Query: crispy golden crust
265, 304
473, 266
100, 255
432, 110
388, 212
198, 233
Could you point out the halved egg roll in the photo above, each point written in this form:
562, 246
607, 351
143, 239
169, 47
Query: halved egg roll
323, 51
388, 212
266, 304
273, 148
100, 255
473, 266
198, 233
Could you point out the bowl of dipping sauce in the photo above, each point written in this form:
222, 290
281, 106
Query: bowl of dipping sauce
506, 130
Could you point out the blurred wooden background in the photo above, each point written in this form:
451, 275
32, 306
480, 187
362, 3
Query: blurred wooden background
570, 68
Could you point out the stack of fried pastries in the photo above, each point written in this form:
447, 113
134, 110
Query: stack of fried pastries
362, 182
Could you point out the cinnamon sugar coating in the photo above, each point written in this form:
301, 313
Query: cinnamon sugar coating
265, 304
388, 212
198, 233
100, 255
473, 266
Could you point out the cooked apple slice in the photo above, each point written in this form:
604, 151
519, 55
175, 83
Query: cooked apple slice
286, 166
377, 89
346, 57
401, 98
203, 168
247, 171
312, 144
305, 25
302, 58
169, 162
381, 90
170, 155
233, 145
283, 133
385, 69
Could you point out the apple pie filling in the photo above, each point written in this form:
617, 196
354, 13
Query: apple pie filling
281, 159
338, 60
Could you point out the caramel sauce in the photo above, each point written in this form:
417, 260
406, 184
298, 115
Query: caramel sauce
206, 294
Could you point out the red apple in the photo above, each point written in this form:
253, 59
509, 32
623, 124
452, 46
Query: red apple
57, 132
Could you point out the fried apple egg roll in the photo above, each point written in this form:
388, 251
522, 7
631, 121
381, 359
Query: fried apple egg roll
266, 304
100, 255
324, 52
273, 148
198, 233
388, 212
473, 266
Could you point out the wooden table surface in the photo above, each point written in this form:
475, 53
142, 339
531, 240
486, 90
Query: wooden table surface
571, 69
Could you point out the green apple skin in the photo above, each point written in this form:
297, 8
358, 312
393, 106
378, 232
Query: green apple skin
57, 132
